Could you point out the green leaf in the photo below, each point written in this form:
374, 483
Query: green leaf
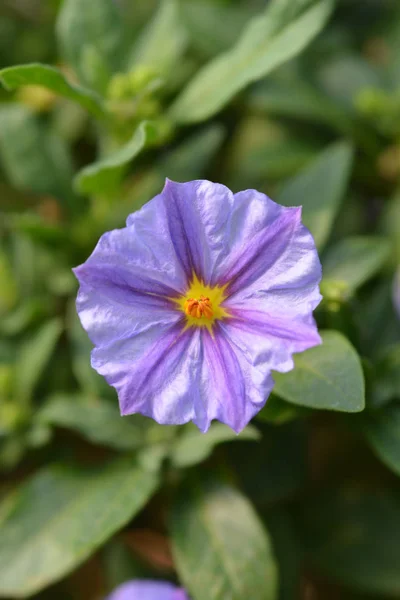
353, 536
58, 518
319, 189
8, 286
281, 457
97, 420
203, 20
346, 75
287, 551
52, 79
25, 314
193, 446
386, 383
325, 377
291, 96
265, 150
95, 71
353, 261
163, 40
391, 224
119, 564
270, 39
100, 422
105, 174
34, 159
221, 549
84, 26
24, 259
33, 358
41, 230
277, 411
191, 158
382, 429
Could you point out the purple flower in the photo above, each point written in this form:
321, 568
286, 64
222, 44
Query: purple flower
148, 590
193, 304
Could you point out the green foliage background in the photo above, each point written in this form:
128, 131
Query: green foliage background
100, 101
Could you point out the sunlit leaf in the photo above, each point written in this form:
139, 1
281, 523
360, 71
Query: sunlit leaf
354, 260
52, 79
320, 189
221, 548
100, 422
163, 40
84, 27
33, 358
270, 39
193, 447
56, 520
104, 175
35, 160
325, 377
203, 20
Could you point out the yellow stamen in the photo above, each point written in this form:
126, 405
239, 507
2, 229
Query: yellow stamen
199, 308
202, 304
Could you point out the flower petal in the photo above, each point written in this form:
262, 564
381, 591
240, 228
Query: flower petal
233, 387
148, 590
198, 217
248, 220
176, 375
140, 257
275, 246
111, 314
154, 372
269, 341
278, 268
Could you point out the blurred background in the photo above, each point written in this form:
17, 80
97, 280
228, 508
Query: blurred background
89, 499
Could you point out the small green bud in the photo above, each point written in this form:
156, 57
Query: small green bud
144, 79
119, 87
37, 97
372, 102
12, 417
334, 293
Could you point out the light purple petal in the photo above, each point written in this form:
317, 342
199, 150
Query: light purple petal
271, 340
126, 285
273, 284
198, 218
154, 378
279, 271
248, 220
111, 316
148, 590
186, 375
275, 250
140, 257
232, 387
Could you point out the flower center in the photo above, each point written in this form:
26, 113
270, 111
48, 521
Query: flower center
202, 304
199, 308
